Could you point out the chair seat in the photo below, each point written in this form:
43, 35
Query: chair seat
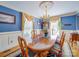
31, 54
57, 46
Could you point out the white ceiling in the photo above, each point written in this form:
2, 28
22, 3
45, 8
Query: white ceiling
32, 7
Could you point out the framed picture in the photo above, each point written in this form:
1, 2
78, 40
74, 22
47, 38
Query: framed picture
7, 18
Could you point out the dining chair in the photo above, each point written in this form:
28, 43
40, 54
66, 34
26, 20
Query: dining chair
57, 48
74, 38
23, 47
33, 34
36, 37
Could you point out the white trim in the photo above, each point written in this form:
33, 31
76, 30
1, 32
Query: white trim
68, 14
9, 32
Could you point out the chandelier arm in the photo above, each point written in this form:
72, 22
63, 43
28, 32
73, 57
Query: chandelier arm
45, 5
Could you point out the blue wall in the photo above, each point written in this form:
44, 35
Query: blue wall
77, 21
4, 27
69, 20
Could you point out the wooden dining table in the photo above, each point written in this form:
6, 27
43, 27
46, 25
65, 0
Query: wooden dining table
41, 47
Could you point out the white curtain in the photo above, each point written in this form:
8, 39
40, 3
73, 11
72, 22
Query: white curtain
54, 30
28, 27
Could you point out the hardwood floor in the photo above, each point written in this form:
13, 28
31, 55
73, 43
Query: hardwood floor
9, 51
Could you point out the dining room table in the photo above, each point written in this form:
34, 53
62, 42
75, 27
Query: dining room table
41, 47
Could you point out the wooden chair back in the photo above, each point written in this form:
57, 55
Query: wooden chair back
33, 34
62, 40
23, 46
74, 37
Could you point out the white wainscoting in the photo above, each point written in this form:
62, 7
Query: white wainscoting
9, 40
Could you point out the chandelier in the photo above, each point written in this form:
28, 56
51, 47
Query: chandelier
45, 6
